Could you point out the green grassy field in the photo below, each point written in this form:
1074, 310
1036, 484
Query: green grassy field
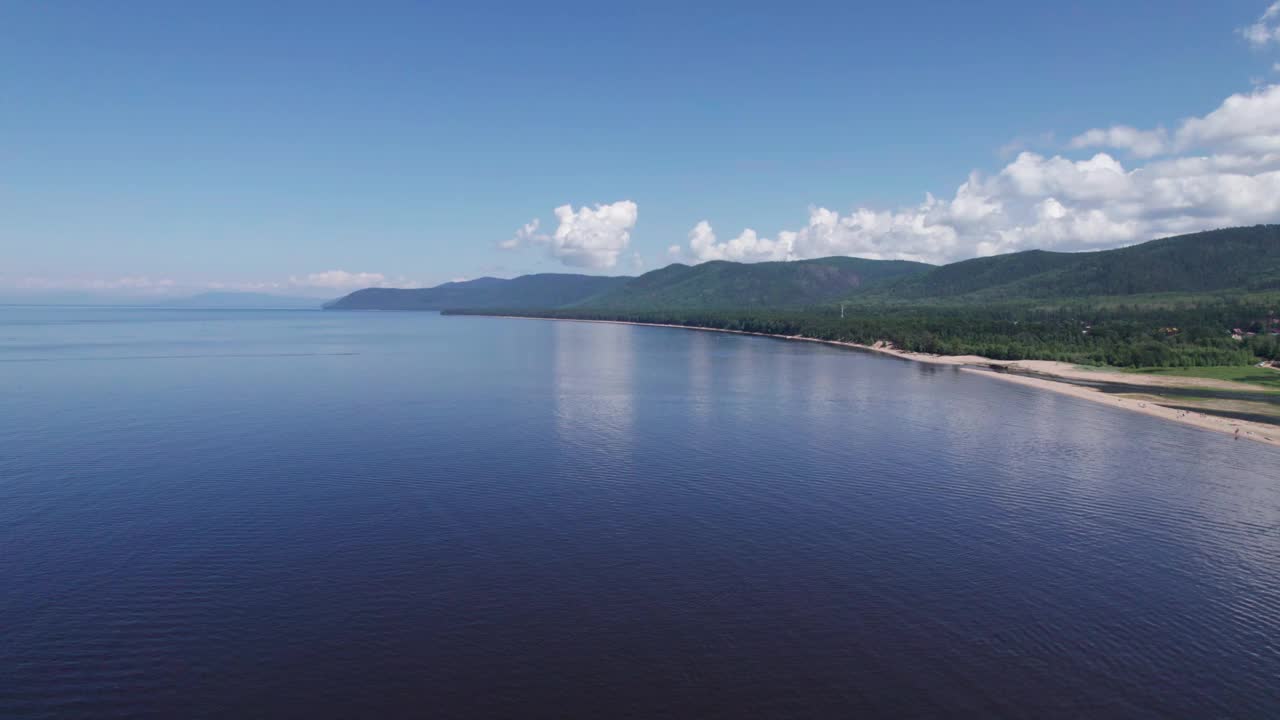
1262, 377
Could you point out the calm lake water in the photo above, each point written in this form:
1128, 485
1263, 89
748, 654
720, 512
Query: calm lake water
337, 515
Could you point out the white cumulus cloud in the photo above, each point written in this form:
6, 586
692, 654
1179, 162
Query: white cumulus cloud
1248, 123
589, 237
526, 234
1141, 143
746, 246
1245, 122
1216, 170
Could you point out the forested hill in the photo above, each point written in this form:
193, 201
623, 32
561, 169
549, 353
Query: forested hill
1244, 259
1231, 260
546, 290
709, 285
730, 285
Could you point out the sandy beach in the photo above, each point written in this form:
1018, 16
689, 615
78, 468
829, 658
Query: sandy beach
1045, 375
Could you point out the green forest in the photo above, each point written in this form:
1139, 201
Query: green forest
1154, 332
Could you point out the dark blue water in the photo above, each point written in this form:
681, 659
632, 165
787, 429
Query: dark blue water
338, 515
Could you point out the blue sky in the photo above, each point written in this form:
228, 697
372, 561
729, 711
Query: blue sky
290, 147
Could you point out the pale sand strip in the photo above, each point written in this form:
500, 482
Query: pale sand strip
1045, 371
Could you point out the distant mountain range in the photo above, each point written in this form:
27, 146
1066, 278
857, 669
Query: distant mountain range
1235, 259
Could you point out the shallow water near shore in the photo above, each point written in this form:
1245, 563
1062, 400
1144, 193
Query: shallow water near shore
330, 514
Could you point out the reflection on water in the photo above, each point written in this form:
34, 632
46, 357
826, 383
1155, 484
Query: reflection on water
594, 384
701, 372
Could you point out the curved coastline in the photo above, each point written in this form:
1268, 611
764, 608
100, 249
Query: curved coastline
1042, 374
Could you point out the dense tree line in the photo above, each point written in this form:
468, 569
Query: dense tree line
1177, 332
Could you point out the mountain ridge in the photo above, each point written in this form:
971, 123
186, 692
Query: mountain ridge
1243, 259
526, 291
721, 284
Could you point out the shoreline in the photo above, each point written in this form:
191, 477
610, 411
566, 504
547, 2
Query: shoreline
1042, 374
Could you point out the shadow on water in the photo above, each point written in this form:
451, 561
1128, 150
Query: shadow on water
928, 369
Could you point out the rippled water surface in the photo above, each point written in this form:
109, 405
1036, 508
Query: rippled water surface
309, 514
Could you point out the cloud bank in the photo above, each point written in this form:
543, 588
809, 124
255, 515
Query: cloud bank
319, 284
343, 280
1216, 170
589, 237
